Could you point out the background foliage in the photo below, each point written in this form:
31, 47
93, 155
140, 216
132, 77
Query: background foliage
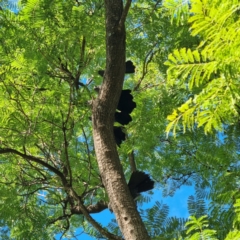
186, 82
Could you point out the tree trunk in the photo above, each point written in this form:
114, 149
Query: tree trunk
104, 108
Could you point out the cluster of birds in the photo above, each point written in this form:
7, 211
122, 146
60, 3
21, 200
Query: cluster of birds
124, 108
139, 181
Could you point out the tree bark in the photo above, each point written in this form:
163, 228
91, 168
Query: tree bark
104, 108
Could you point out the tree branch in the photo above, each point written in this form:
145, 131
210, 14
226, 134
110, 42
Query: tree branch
69, 190
86, 214
93, 208
132, 161
37, 160
104, 108
124, 14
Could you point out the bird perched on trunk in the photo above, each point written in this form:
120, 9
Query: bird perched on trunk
126, 103
140, 182
122, 115
125, 107
130, 68
123, 118
119, 135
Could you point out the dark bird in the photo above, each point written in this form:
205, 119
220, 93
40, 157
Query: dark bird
125, 106
101, 72
139, 182
126, 103
119, 135
130, 68
123, 118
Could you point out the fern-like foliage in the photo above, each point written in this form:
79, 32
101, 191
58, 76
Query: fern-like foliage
160, 226
156, 216
196, 207
208, 227
212, 68
197, 228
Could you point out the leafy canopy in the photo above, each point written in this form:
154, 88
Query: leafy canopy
50, 53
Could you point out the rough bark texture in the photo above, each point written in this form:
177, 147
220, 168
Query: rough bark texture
104, 107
